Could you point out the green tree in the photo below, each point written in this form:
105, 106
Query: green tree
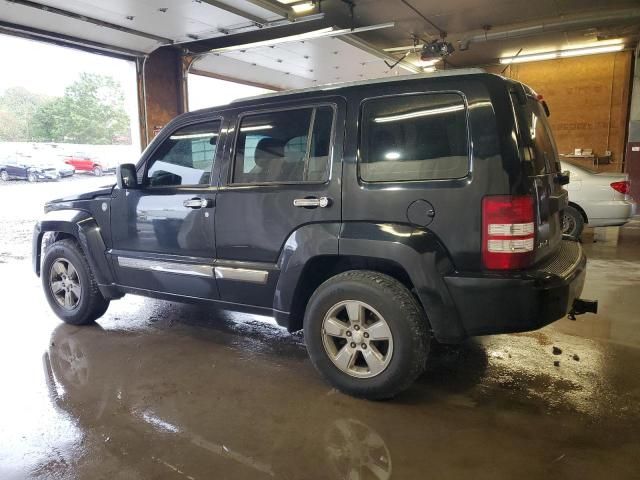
17, 109
90, 111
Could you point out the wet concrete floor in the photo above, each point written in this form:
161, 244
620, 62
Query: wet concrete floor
168, 391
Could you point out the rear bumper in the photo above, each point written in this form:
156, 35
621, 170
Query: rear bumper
610, 213
493, 303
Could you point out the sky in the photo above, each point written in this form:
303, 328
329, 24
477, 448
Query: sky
209, 92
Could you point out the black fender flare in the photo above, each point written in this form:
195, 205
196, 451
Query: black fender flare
415, 250
83, 227
307, 242
425, 260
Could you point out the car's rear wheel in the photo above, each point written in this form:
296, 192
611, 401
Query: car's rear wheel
97, 171
32, 177
366, 334
4, 176
572, 222
69, 285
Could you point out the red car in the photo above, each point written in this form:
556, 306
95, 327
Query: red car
84, 163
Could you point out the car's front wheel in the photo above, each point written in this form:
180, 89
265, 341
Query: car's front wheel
4, 176
32, 177
97, 171
572, 222
366, 334
69, 285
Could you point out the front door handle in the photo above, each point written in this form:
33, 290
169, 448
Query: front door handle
198, 203
312, 202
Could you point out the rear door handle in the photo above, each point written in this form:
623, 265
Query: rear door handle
322, 202
198, 203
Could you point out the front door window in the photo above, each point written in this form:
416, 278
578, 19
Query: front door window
185, 158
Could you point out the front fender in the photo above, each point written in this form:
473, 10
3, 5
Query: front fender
83, 227
423, 257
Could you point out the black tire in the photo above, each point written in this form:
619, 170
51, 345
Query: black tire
4, 176
90, 305
400, 310
97, 171
572, 222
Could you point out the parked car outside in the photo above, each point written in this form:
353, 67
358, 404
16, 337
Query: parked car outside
596, 200
49, 160
20, 167
83, 162
353, 213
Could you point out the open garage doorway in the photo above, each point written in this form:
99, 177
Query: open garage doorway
206, 91
65, 112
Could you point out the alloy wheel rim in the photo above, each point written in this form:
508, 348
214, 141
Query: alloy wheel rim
5, 176
357, 339
568, 224
64, 283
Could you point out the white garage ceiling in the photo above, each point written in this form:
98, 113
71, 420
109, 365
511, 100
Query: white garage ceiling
481, 30
299, 64
144, 25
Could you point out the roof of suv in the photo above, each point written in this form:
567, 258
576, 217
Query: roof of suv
335, 86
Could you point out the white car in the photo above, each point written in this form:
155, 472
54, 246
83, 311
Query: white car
595, 199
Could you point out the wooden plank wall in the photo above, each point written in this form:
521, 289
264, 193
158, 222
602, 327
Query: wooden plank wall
588, 98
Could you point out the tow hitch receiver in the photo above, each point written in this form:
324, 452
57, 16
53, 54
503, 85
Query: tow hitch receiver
581, 307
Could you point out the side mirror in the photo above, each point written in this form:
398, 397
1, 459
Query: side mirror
563, 178
126, 176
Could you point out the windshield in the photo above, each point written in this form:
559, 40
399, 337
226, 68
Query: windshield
538, 148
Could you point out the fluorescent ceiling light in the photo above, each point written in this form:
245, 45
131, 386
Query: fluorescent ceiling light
303, 7
575, 52
323, 32
257, 127
193, 135
408, 67
419, 113
568, 52
427, 63
529, 58
392, 155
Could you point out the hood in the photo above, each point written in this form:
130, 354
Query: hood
104, 191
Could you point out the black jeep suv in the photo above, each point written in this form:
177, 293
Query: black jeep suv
373, 215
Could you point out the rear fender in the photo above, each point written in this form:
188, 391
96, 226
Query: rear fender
416, 251
305, 243
425, 260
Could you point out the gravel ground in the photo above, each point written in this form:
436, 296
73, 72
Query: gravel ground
22, 203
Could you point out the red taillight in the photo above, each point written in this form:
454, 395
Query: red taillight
508, 232
622, 187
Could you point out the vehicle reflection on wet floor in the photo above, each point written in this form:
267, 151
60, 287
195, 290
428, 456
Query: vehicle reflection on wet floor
164, 390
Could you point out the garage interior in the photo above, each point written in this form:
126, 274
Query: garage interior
160, 389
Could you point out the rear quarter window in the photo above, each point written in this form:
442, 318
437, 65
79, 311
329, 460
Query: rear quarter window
413, 138
537, 146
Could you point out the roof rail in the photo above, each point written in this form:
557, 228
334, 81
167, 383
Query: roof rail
335, 86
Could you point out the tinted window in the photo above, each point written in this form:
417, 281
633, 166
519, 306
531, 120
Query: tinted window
414, 137
186, 157
537, 143
285, 146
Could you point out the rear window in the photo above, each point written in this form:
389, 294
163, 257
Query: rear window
538, 148
414, 137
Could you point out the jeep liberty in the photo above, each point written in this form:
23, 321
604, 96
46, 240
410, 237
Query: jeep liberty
376, 216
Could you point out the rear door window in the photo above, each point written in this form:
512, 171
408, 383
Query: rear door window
414, 137
284, 146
